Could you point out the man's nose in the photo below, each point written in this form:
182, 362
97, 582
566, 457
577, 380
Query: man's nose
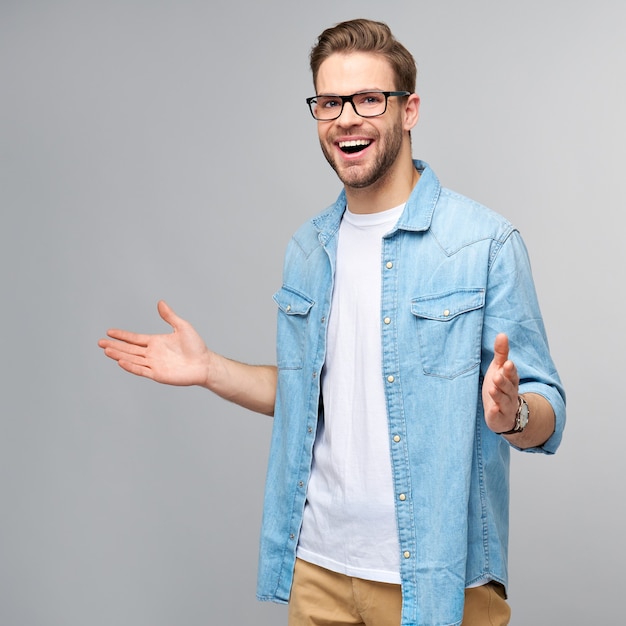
348, 115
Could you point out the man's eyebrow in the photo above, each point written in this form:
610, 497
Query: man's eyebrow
356, 93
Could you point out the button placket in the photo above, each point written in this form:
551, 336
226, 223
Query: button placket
400, 469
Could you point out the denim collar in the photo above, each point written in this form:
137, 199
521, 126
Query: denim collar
417, 214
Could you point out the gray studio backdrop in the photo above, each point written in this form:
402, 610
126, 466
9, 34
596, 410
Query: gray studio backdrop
163, 149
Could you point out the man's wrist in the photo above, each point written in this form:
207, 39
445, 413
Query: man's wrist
522, 417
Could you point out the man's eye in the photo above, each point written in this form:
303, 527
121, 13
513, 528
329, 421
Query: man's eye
369, 99
329, 103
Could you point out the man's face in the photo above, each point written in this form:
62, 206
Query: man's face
378, 139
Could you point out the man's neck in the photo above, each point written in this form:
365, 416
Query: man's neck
390, 191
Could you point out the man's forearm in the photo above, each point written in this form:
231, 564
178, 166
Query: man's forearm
250, 386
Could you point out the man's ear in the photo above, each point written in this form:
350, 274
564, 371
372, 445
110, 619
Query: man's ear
411, 111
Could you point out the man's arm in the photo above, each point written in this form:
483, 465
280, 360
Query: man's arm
500, 393
182, 358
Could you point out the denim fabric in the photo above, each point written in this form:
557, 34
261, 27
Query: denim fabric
454, 274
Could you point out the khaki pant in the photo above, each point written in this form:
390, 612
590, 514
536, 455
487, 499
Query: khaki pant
320, 597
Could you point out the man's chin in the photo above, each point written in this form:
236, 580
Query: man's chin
354, 176
358, 184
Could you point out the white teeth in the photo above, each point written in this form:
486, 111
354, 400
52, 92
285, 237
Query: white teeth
354, 142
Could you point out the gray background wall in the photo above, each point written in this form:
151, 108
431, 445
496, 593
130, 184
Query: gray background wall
142, 157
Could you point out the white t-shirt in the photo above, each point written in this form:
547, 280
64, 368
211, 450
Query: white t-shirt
349, 524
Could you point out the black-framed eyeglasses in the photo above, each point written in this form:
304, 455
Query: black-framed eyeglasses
365, 104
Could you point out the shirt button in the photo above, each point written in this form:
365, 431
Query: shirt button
389, 265
446, 313
323, 320
300, 484
387, 320
406, 555
292, 536
289, 307
396, 438
402, 497
390, 379
309, 430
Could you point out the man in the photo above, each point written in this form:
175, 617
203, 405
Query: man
395, 402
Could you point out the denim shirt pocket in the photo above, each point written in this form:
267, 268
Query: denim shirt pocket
449, 330
293, 320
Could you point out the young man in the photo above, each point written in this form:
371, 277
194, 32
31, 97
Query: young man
395, 402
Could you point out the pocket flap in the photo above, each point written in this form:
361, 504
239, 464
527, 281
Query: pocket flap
292, 302
446, 306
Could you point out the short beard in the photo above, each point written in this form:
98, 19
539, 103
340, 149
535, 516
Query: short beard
391, 145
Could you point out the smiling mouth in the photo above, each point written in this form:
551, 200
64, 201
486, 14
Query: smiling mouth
354, 145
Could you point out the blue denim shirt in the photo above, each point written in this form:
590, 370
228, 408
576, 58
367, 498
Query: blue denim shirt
454, 274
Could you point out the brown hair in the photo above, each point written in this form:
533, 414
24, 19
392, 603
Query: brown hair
365, 36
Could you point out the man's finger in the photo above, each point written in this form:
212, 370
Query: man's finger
501, 349
167, 314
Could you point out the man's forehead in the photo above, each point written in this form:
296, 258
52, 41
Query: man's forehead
351, 72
